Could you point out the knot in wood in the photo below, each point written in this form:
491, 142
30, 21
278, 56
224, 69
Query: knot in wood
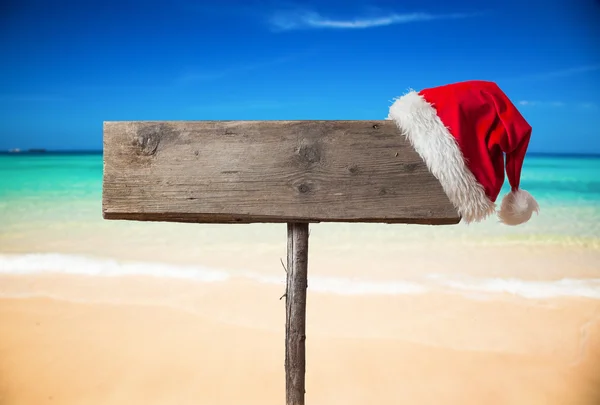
309, 153
304, 188
147, 140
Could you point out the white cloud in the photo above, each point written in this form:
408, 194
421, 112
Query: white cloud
532, 103
542, 103
304, 19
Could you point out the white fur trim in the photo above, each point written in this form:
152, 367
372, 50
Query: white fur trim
419, 122
517, 207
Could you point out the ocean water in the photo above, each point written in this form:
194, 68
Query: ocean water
51, 222
68, 188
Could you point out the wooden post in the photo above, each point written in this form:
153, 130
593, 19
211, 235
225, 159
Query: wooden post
295, 319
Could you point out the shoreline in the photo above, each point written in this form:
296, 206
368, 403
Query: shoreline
376, 262
252, 304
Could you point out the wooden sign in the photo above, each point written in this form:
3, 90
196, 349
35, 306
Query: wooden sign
268, 171
296, 172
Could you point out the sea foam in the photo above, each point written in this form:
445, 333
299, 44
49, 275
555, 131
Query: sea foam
533, 289
48, 263
54, 263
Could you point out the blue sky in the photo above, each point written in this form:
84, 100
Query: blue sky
67, 66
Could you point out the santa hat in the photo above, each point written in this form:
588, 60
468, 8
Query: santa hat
462, 132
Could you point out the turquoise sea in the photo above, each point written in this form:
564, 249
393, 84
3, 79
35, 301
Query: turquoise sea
67, 187
51, 220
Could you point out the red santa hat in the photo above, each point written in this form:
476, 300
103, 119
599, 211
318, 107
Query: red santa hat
462, 132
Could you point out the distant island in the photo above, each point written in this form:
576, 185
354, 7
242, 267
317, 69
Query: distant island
47, 152
32, 150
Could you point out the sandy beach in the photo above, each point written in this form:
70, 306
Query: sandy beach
76, 339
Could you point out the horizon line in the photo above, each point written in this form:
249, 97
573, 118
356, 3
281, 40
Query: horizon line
44, 151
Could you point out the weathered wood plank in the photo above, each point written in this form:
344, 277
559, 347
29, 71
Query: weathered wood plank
295, 318
267, 171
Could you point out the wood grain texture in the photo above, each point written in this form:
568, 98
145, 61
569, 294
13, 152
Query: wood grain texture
268, 171
295, 318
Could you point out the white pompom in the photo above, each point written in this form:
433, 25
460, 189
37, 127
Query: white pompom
517, 207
